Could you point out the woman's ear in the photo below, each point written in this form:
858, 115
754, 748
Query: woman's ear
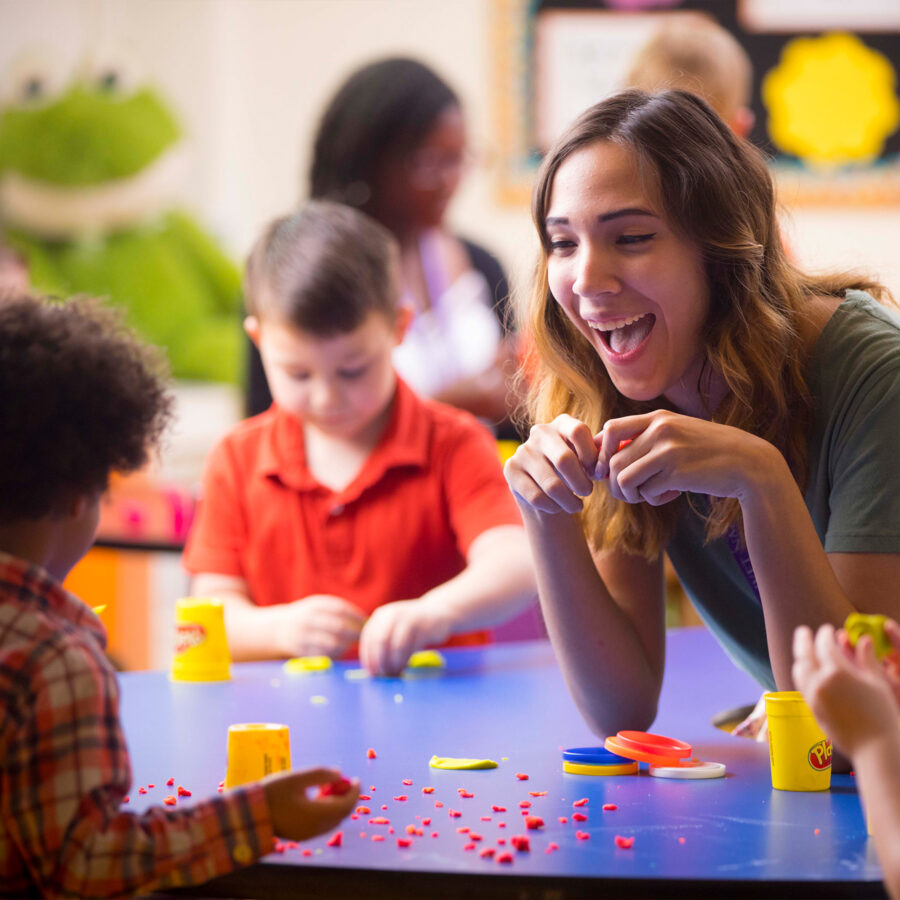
251, 326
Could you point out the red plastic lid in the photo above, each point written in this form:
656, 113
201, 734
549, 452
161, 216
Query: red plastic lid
657, 744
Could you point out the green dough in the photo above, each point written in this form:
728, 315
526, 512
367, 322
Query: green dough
450, 762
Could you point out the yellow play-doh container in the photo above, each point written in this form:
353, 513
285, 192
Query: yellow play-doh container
256, 749
201, 648
799, 751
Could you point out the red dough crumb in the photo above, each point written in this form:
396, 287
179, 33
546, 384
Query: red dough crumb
579, 817
354, 816
377, 837
469, 847
582, 802
339, 787
486, 852
475, 837
464, 793
306, 852
183, 792
406, 781
401, 798
379, 820
427, 790
496, 808
384, 806
434, 834
815, 831
501, 841
126, 799
142, 790
681, 840
521, 842
463, 829
551, 847
504, 857
336, 839
372, 788
501, 824
524, 804
455, 813
624, 843
562, 820
170, 781
438, 804
221, 787
410, 829
426, 821
278, 847
371, 754
151, 785
533, 822
583, 835
363, 810
485, 818
170, 800
538, 794
364, 797
610, 806
521, 776
403, 842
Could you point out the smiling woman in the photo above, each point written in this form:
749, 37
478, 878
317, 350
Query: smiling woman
696, 394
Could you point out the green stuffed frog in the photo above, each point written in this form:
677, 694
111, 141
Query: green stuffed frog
86, 184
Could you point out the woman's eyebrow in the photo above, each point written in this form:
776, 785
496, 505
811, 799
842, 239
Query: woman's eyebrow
606, 217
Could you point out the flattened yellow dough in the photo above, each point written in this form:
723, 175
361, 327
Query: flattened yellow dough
300, 664
451, 762
426, 659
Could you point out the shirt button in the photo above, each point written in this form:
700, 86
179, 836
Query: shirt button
337, 509
242, 854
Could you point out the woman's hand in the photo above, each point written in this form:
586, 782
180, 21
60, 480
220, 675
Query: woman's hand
655, 456
553, 470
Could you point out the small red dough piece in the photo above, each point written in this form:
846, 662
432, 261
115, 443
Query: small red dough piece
371, 754
221, 788
562, 820
183, 792
434, 834
463, 793
525, 804
487, 852
815, 831
506, 857
463, 829
401, 798
384, 806
583, 835
501, 841
624, 843
501, 824
362, 834
579, 817
354, 816
336, 839
533, 822
377, 837
521, 776
609, 806
278, 847
475, 837
496, 808
469, 847
170, 800
338, 788
485, 818
379, 820
455, 813
410, 829
552, 846
582, 802
306, 852
419, 832
406, 781
151, 785
363, 810
681, 840
427, 790
142, 790
126, 799
426, 820
170, 781
521, 842
404, 842
438, 804
537, 793
364, 797
292, 845
372, 788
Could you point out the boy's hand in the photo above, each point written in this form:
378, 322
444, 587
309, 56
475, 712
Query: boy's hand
845, 688
396, 630
318, 625
295, 815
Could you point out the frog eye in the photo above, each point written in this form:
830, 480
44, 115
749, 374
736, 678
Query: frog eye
115, 73
35, 78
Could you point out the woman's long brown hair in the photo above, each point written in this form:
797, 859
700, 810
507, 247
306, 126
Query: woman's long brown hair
715, 190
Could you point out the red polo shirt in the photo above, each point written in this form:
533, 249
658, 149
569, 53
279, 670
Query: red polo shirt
432, 484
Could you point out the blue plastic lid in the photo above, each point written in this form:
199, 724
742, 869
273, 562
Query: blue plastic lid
594, 756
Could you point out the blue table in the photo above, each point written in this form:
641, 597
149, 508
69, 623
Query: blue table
733, 836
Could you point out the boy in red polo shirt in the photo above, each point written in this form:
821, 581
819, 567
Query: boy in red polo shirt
351, 510
81, 397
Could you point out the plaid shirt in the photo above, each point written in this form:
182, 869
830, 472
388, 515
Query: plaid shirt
64, 766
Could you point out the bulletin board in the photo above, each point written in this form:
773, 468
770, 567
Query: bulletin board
825, 85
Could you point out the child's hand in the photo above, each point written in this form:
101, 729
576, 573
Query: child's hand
553, 470
318, 625
845, 688
891, 663
396, 630
295, 815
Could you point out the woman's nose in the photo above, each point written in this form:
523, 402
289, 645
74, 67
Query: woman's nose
596, 274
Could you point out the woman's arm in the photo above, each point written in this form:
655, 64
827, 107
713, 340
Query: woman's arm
605, 617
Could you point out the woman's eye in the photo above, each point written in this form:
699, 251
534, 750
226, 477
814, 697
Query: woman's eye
635, 238
561, 244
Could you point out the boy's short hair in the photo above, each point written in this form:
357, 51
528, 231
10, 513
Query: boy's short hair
80, 397
691, 52
323, 270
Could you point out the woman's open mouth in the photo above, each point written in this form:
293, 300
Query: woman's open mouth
623, 336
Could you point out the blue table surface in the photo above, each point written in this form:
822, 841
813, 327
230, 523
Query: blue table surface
508, 702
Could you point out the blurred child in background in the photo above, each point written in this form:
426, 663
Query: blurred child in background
351, 509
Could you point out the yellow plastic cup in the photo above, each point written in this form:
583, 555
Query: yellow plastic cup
799, 751
256, 750
201, 648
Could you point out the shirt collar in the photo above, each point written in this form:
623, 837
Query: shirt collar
404, 442
37, 587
